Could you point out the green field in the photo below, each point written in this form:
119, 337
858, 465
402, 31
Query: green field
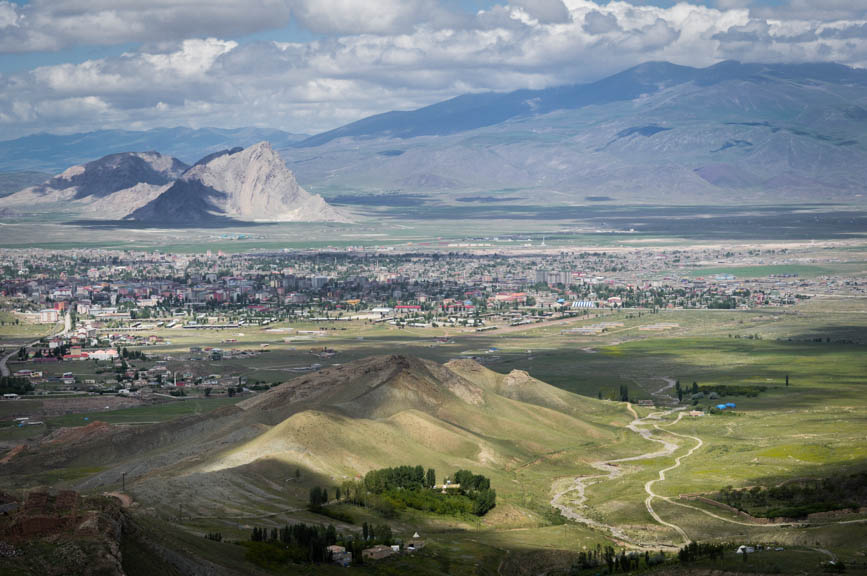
764, 271
145, 414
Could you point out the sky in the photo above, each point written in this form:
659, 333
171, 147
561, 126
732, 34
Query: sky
306, 66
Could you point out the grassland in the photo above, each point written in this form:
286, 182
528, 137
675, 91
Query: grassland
12, 333
147, 414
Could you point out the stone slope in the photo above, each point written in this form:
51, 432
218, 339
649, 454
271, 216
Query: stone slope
252, 184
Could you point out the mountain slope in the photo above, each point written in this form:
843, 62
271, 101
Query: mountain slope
115, 172
11, 182
657, 133
109, 187
382, 410
472, 111
243, 184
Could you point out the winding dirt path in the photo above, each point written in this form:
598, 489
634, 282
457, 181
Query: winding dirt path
570, 501
648, 486
572, 498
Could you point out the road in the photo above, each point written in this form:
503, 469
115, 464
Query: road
4, 370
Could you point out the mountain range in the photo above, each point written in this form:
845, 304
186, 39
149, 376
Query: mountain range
656, 133
241, 184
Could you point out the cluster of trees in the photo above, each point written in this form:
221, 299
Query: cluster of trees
215, 536
379, 534
722, 390
318, 497
471, 482
390, 502
727, 303
390, 490
402, 477
307, 543
593, 560
695, 550
15, 385
56, 352
131, 354
796, 500
294, 543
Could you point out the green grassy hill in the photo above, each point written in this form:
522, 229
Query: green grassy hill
392, 410
339, 423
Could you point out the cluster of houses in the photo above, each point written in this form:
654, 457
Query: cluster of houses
109, 285
342, 557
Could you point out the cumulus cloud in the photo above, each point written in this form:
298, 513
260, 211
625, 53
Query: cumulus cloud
8, 15
595, 22
812, 10
363, 16
374, 57
44, 25
545, 11
752, 31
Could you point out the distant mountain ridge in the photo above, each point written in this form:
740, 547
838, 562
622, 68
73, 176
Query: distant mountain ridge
54, 153
657, 133
471, 111
241, 184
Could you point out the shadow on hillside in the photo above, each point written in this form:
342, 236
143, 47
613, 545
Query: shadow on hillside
831, 335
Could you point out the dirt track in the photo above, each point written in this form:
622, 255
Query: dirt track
612, 471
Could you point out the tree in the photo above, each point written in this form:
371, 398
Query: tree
695, 387
431, 478
624, 393
318, 497
384, 534
365, 531
787, 379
